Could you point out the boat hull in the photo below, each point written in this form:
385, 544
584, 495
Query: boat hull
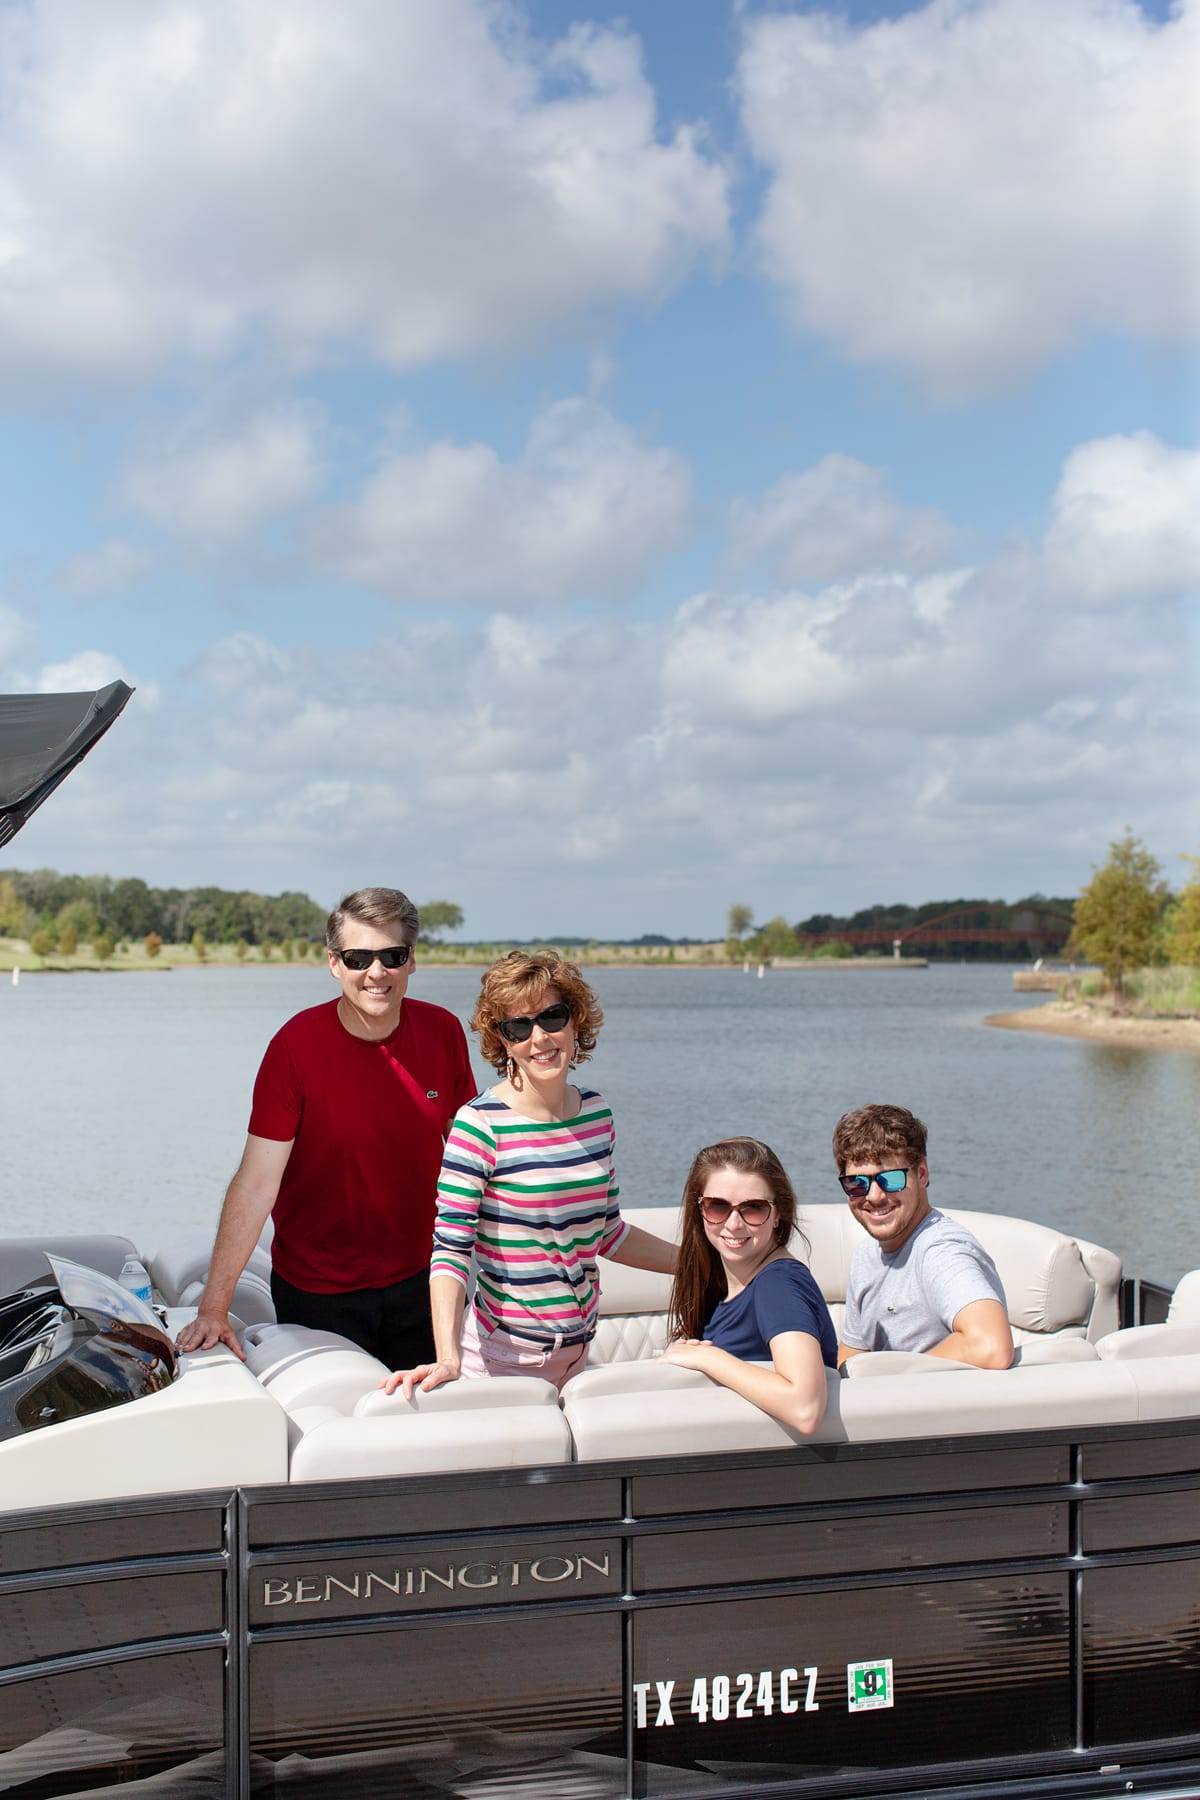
1009, 1615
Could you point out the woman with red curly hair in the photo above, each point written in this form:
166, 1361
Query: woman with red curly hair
528, 1189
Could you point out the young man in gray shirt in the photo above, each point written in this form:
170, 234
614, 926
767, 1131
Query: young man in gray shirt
918, 1281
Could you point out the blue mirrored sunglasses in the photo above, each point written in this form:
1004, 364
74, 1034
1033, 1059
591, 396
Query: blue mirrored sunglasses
889, 1181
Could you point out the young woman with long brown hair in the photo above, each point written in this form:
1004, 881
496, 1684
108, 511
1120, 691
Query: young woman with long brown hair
740, 1299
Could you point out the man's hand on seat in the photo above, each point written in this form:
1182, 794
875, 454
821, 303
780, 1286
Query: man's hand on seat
206, 1331
423, 1379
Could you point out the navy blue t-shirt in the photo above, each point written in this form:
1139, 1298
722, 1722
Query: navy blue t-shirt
781, 1297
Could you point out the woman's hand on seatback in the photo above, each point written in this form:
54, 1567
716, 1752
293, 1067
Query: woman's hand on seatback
688, 1353
423, 1379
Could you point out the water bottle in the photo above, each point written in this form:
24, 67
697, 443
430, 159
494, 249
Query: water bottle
136, 1278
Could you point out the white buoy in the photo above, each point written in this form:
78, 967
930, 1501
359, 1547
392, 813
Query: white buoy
16, 975
761, 970
746, 966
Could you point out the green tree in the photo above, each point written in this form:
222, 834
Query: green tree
152, 943
739, 921
776, 938
266, 949
12, 910
439, 915
41, 943
837, 949
300, 948
1117, 915
240, 949
199, 946
1183, 938
78, 916
103, 945
68, 939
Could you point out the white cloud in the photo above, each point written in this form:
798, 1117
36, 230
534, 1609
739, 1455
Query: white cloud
214, 479
583, 510
967, 188
1126, 519
837, 518
981, 729
76, 675
422, 180
108, 568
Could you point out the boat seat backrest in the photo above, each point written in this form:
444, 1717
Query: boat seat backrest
1185, 1301
1056, 1285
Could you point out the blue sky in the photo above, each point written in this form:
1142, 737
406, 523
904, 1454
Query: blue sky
601, 463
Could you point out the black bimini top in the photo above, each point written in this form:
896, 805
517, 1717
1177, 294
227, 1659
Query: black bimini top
42, 737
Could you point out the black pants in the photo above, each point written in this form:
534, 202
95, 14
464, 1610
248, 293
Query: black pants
391, 1323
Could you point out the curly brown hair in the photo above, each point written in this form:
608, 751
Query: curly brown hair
873, 1134
514, 985
699, 1283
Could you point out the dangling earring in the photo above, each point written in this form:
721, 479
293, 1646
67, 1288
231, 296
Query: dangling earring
513, 1073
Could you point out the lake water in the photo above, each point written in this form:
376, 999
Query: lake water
125, 1097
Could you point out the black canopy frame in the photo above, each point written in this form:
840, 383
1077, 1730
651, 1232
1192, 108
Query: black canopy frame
42, 738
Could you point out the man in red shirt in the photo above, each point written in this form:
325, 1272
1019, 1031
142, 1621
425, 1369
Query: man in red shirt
351, 1106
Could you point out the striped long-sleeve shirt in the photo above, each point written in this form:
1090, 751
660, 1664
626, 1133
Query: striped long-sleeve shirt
537, 1204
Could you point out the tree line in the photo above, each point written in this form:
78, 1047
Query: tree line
129, 909
833, 934
1126, 918
64, 911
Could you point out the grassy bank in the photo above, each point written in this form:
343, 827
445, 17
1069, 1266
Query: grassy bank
1171, 993
1159, 1010
16, 953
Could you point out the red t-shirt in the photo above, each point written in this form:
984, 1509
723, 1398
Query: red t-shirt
356, 1203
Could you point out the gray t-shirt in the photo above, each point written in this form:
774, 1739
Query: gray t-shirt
910, 1300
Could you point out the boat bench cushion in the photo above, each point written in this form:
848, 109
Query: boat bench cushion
183, 1266
1140, 1341
673, 1422
299, 1367
426, 1443
471, 1396
1031, 1353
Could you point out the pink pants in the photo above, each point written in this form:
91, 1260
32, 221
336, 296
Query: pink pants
498, 1353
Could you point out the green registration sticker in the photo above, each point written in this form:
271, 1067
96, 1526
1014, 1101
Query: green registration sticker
869, 1685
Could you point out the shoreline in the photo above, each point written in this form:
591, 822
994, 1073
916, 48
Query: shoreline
140, 965
1065, 1019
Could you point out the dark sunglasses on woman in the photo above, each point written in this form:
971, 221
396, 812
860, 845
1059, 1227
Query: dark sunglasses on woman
750, 1212
394, 957
551, 1018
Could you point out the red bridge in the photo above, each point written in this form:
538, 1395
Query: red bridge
1030, 931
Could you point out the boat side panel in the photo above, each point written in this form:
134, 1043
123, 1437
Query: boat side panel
430, 1504
966, 1670
71, 1619
117, 1721
1175, 1453
1141, 1634
66, 1544
527, 1706
812, 1481
841, 1546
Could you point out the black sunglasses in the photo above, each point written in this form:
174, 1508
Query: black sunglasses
551, 1018
889, 1181
394, 957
